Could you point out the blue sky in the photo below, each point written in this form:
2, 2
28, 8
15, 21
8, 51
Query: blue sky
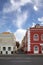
18, 15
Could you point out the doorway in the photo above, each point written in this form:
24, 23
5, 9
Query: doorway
36, 49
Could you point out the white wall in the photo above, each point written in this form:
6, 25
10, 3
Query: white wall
4, 52
28, 40
7, 40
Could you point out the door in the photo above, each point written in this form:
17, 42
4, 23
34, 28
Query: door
36, 49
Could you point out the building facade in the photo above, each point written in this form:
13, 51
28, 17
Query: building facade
7, 43
33, 42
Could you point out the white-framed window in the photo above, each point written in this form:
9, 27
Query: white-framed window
9, 48
4, 48
42, 37
36, 37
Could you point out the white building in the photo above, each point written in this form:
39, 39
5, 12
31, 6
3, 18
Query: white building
7, 43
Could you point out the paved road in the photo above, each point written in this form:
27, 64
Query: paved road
21, 59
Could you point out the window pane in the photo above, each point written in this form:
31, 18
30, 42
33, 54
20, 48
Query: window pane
4, 48
36, 37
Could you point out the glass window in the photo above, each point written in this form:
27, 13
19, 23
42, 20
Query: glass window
4, 48
36, 37
42, 37
9, 48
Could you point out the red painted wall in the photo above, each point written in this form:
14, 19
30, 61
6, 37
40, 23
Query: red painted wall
32, 42
39, 32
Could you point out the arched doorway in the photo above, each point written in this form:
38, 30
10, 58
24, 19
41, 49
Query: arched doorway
36, 49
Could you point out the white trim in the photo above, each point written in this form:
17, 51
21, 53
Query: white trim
35, 29
28, 49
41, 44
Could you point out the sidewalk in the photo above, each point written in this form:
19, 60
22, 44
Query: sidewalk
36, 55
19, 55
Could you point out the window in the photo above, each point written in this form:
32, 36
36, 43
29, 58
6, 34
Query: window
6, 52
1, 52
42, 37
4, 48
9, 48
36, 37
11, 52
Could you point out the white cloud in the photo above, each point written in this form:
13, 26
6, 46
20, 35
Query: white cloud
14, 5
20, 2
37, 4
41, 23
21, 19
20, 34
23, 2
33, 24
8, 8
35, 8
40, 20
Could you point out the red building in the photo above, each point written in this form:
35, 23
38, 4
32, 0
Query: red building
33, 40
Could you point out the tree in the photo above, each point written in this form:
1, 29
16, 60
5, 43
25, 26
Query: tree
17, 44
